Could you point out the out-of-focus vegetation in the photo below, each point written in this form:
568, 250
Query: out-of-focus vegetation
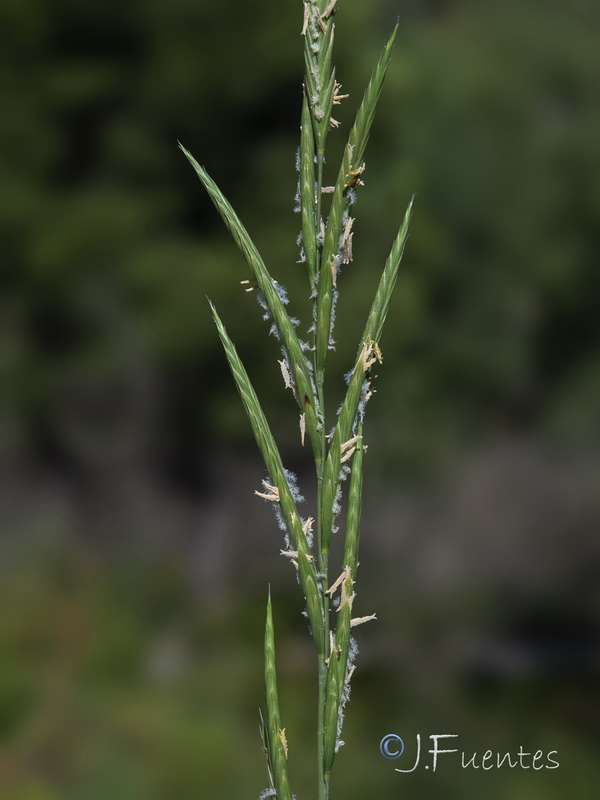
134, 560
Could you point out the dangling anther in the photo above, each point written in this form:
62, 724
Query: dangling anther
337, 97
330, 10
347, 241
347, 599
306, 18
334, 270
348, 449
292, 555
271, 494
360, 620
283, 738
377, 352
370, 353
354, 177
338, 582
286, 375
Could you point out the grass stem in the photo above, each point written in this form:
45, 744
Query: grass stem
327, 245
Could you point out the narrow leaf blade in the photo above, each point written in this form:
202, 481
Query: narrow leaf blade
381, 303
268, 447
359, 134
305, 393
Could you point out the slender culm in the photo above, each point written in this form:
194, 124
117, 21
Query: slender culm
329, 590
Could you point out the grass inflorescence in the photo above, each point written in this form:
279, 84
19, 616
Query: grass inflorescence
326, 245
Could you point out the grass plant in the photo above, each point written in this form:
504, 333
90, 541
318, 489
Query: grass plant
326, 246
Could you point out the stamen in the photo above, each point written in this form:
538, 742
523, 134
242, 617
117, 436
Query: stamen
330, 10
334, 264
345, 574
354, 176
286, 374
337, 97
347, 241
347, 456
306, 16
272, 493
370, 353
283, 738
360, 620
351, 443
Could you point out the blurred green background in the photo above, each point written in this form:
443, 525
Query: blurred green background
134, 557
